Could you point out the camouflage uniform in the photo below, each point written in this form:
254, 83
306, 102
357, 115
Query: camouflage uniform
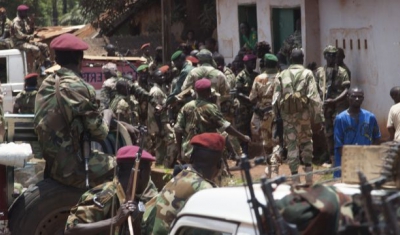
263, 116
108, 92
60, 139
125, 106
186, 69
25, 102
22, 36
196, 117
162, 210
296, 81
331, 83
5, 27
96, 205
165, 145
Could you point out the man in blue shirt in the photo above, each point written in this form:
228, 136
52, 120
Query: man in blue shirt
354, 126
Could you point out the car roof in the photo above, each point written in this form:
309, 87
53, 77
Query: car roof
228, 203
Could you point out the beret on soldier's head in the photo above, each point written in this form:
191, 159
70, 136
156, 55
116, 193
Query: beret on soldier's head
213, 141
204, 55
31, 75
192, 59
144, 46
270, 57
249, 57
22, 8
202, 84
142, 68
68, 42
176, 55
110, 67
330, 49
130, 151
163, 69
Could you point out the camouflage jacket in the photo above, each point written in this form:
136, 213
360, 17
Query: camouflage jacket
21, 31
263, 88
180, 80
196, 117
5, 26
304, 85
230, 77
218, 80
158, 95
332, 82
125, 107
61, 139
244, 83
162, 209
25, 102
96, 205
108, 92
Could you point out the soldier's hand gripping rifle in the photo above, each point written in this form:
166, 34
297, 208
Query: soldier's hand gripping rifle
281, 226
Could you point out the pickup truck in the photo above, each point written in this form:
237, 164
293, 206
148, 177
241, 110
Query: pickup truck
13, 69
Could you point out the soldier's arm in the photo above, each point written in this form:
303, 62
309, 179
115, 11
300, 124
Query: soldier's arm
345, 85
225, 86
314, 98
141, 94
188, 82
19, 34
92, 120
105, 98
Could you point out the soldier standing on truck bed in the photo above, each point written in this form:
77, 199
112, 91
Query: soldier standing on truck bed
65, 111
22, 35
25, 100
5, 26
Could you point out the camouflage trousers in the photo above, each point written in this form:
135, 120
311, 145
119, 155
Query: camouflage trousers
297, 135
262, 130
232, 139
330, 115
6, 44
243, 120
40, 51
165, 147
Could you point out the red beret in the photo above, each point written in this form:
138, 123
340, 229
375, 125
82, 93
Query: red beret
212, 141
22, 8
249, 57
31, 75
68, 42
164, 68
192, 59
129, 152
144, 46
202, 84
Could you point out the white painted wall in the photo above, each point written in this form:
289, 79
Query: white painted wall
375, 69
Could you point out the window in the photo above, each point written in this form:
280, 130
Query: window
248, 16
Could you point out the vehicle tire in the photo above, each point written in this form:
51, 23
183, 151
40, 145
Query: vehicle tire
44, 209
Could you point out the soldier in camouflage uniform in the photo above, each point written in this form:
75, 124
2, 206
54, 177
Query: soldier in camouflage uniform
296, 96
22, 35
205, 164
200, 116
208, 69
93, 214
244, 83
122, 103
66, 109
263, 116
333, 83
158, 125
108, 91
5, 26
25, 100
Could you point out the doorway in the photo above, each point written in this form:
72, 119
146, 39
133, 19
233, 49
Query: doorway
283, 25
247, 14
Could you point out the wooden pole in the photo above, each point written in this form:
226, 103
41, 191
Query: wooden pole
166, 29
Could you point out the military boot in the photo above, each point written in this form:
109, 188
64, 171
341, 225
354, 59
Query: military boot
308, 177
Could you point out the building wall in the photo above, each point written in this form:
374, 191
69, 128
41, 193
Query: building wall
374, 66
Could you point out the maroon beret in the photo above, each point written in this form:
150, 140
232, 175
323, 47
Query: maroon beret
22, 8
129, 152
202, 84
249, 57
31, 75
213, 141
192, 59
68, 42
164, 69
144, 46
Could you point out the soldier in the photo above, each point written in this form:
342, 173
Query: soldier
340, 61
108, 91
158, 125
93, 214
244, 83
5, 26
146, 53
205, 164
293, 41
208, 70
143, 73
200, 116
333, 83
22, 35
296, 97
122, 103
261, 94
25, 100
65, 110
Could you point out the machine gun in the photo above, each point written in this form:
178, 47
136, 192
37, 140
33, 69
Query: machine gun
281, 226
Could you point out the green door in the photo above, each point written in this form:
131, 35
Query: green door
283, 25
